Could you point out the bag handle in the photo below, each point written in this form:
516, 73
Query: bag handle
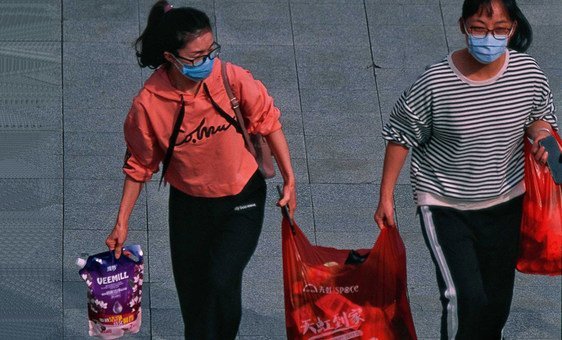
236, 107
285, 211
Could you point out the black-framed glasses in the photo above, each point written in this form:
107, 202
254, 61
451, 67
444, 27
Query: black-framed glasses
215, 50
500, 33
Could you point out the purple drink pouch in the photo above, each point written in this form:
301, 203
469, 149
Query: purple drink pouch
114, 292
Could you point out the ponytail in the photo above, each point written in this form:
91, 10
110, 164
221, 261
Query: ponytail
167, 30
523, 36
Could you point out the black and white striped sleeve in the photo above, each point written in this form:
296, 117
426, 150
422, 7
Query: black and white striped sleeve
543, 105
410, 119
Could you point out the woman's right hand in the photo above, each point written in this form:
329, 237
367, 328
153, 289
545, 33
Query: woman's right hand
384, 216
117, 238
394, 158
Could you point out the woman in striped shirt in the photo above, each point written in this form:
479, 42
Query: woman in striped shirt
465, 119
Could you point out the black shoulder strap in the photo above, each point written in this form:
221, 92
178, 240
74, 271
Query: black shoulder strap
225, 115
172, 141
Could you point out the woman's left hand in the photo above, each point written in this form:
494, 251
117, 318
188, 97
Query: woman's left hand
538, 151
538, 131
289, 199
280, 149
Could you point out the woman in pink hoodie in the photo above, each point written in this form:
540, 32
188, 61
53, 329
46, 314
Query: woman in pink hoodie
217, 193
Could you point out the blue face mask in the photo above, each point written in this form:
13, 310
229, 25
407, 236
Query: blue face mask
486, 49
197, 73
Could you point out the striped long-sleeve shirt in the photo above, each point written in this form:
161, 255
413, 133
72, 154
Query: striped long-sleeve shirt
467, 136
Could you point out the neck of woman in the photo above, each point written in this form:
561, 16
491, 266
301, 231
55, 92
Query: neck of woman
474, 70
181, 82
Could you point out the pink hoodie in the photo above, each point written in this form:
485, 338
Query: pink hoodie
210, 159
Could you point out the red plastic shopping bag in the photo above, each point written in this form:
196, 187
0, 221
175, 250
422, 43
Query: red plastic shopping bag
541, 225
325, 298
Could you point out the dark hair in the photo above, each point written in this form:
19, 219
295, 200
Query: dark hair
167, 30
523, 36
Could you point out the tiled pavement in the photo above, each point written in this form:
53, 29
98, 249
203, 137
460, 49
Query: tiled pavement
68, 74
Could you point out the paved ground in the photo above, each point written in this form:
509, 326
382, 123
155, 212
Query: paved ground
68, 74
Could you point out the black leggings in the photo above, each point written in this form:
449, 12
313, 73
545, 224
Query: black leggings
212, 240
474, 254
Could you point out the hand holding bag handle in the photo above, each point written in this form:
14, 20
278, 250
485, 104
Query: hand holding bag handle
285, 210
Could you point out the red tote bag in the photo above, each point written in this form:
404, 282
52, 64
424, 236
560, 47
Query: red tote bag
325, 298
541, 225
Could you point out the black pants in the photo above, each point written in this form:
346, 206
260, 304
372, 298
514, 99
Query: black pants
474, 253
212, 240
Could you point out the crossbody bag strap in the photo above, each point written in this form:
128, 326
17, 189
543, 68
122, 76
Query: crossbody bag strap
236, 107
172, 141
219, 109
